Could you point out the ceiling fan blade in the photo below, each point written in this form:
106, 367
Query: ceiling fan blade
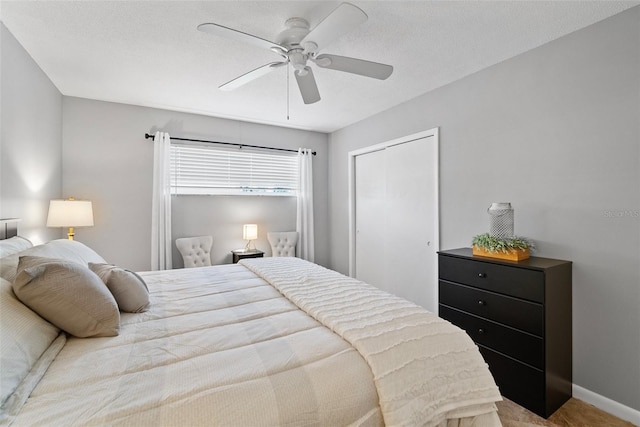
307, 85
230, 33
355, 66
251, 75
339, 22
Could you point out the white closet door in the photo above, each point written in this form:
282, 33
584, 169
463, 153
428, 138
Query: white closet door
410, 222
370, 218
396, 222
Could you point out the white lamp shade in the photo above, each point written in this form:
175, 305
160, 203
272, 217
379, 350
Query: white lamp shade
70, 213
250, 231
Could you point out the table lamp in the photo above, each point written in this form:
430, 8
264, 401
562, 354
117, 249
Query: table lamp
70, 213
249, 233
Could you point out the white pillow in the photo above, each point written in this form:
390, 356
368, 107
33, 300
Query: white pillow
24, 337
14, 245
70, 250
8, 267
9, 250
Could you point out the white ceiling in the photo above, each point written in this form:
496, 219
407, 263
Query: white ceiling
149, 53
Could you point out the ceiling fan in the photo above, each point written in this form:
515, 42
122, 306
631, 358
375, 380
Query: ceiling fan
298, 45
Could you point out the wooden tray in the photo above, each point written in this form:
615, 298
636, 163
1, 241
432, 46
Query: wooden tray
512, 255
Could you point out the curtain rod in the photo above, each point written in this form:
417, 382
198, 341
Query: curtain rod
147, 136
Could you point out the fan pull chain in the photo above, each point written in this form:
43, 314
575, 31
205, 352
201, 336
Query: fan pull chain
288, 71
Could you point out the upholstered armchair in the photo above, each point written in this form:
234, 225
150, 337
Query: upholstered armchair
195, 251
283, 243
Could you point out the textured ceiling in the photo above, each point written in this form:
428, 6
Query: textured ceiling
149, 53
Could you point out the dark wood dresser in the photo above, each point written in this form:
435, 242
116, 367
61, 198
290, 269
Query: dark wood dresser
519, 315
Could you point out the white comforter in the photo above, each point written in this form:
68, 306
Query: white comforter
221, 346
425, 369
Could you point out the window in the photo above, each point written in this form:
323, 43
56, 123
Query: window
202, 169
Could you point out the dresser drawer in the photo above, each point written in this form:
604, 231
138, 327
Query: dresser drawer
519, 345
517, 313
520, 383
513, 281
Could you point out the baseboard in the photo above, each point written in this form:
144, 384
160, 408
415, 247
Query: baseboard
607, 405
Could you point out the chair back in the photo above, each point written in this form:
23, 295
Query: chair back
283, 243
195, 251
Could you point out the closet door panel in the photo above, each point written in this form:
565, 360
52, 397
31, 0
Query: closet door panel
370, 218
410, 221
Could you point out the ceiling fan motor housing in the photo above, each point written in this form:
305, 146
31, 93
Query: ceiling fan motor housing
297, 29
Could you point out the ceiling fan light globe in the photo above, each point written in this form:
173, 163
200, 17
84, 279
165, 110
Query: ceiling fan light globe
298, 60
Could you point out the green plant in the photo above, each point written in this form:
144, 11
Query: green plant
494, 244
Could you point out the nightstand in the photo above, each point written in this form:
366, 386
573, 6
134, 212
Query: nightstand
239, 254
519, 315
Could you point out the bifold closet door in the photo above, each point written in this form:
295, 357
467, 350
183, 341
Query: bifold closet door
370, 214
394, 219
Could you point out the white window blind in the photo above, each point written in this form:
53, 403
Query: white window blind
200, 169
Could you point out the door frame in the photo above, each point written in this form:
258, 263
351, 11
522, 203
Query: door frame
435, 143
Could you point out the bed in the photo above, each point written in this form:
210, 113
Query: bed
266, 342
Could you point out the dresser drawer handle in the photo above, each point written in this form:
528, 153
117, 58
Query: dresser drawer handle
482, 275
481, 331
480, 302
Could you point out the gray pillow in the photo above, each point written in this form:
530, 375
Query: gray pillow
67, 294
129, 289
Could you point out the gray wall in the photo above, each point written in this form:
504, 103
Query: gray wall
554, 131
107, 160
30, 141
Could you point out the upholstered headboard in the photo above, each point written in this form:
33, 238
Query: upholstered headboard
8, 228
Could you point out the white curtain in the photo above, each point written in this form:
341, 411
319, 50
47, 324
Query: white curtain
304, 223
161, 205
